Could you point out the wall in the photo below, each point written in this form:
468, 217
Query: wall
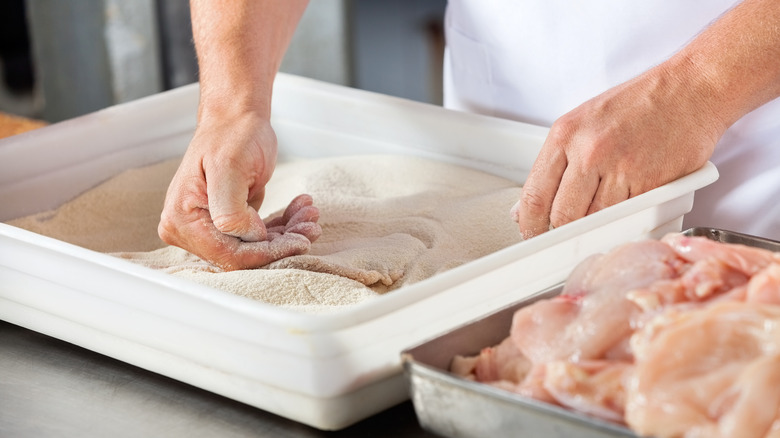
89, 54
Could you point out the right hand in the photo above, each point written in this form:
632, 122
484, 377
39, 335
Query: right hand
211, 205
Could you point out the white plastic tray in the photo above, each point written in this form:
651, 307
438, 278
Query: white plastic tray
329, 370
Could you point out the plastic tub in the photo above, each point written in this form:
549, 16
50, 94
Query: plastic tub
329, 370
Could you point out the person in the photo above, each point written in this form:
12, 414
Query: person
211, 205
636, 95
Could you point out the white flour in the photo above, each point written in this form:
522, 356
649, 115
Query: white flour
387, 221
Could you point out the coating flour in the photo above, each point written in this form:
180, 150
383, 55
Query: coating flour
387, 220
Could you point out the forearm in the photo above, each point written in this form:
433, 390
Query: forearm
734, 65
240, 45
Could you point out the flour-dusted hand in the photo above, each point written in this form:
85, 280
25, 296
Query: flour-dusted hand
211, 205
300, 217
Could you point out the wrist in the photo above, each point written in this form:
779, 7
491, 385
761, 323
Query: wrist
234, 134
734, 64
233, 103
699, 94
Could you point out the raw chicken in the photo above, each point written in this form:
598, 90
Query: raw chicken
711, 373
592, 387
745, 259
592, 316
676, 338
502, 362
763, 287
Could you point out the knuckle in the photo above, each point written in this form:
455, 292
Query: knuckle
597, 205
233, 223
167, 229
559, 217
533, 201
562, 128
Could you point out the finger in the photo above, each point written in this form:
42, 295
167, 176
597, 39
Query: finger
532, 211
293, 213
277, 229
303, 222
311, 230
574, 196
231, 253
275, 223
230, 212
611, 190
197, 234
256, 199
251, 255
295, 205
308, 213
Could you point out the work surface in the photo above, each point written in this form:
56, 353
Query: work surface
52, 388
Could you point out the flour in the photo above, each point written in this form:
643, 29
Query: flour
387, 221
120, 214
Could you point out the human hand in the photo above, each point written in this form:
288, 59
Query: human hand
630, 139
211, 205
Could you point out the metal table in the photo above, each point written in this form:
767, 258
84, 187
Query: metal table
52, 388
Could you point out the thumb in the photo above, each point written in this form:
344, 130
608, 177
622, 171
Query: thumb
231, 214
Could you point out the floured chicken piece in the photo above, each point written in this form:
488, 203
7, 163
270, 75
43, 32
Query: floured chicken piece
675, 338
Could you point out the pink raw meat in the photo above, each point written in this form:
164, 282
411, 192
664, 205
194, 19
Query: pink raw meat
502, 362
677, 338
743, 258
713, 372
591, 387
764, 286
592, 315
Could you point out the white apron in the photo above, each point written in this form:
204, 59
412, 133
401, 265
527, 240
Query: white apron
534, 60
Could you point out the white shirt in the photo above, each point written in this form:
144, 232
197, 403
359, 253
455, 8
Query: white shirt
535, 60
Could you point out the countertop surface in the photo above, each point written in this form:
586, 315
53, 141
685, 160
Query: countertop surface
50, 388
11, 124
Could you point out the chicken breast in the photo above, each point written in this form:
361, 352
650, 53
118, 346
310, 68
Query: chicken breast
712, 372
675, 338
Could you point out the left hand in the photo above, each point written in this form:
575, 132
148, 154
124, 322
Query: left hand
630, 139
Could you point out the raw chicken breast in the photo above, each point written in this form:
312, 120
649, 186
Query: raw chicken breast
743, 258
591, 387
713, 372
593, 315
502, 362
676, 338
763, 287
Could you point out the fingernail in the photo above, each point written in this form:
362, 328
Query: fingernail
514, 212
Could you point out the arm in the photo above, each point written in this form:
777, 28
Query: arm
211, 205
657, 127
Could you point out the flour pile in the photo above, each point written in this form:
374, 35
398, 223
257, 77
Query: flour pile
387, 221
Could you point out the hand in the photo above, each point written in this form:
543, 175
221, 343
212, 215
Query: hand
211, 205
632, 138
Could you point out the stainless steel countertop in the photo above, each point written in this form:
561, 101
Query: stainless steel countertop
50, 388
